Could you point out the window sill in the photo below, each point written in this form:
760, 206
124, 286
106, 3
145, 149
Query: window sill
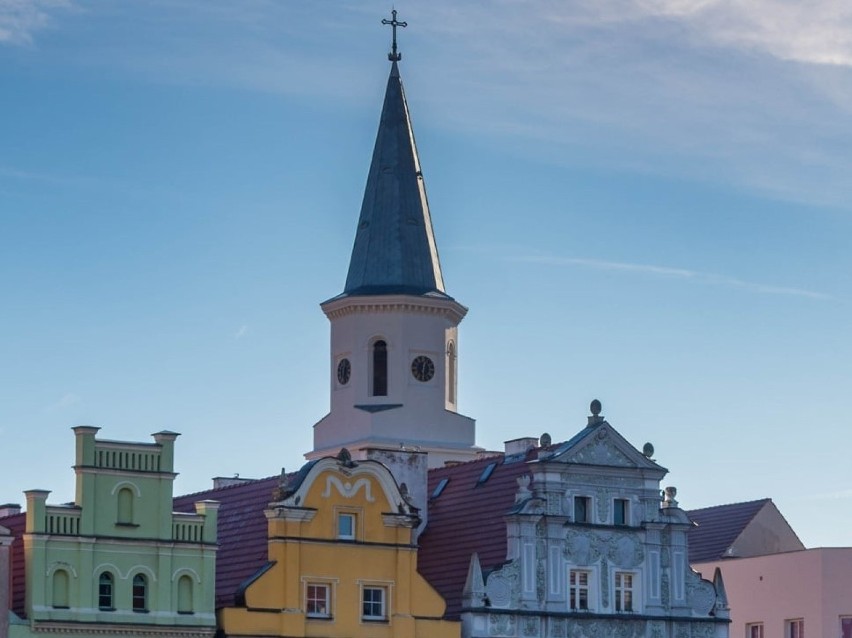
140, 611
106, 608
374, 620
186, 613
118, 524
61, 607
319, 617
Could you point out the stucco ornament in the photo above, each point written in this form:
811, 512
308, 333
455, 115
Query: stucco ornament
503, 585
625, 550
701, 596
557, 628
581, 548
348, 489
531, 626
601, 451
501, 625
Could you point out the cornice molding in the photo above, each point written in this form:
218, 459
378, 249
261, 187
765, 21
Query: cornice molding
379, 304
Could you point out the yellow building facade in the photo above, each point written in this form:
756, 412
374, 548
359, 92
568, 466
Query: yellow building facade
342, 561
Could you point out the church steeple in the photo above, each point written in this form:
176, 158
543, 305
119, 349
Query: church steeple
395, 250
394, 331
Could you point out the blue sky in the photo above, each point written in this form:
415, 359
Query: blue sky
647, 202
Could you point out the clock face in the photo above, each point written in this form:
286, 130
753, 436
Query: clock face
422, 368
344, 370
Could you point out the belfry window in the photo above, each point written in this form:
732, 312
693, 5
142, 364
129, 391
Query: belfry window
380, 369
451, 372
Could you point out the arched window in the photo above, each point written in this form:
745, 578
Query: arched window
60, 589
380, 369
184, 602
125, 506
451, 372
140, 593
105, 592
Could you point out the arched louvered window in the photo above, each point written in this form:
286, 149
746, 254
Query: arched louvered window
140, 593
380, 369
60, 589
105, 592
451, 372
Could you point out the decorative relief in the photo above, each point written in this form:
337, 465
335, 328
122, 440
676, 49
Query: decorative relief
602, 452
554, 504
557, 628
702, 630
607, 629
531, 626
347, 489
682, 630
701, 596
658, 630
605, 583
581, 548
500, 625
503, 586
665, 594
603, 505
625, 550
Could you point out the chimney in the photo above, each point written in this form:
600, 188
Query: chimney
227, 481
520, 446
9, 509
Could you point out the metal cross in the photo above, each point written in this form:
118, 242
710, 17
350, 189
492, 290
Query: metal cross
393, 56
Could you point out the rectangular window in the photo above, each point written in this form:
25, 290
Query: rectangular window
582, 509
623, 591
346, 526
620, 512
578, 592
317, 601
373, 603
846, 627
794, 628
754, 630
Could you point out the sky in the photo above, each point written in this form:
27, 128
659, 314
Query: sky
647, 202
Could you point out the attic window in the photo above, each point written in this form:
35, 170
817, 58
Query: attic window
439, 488
486, 473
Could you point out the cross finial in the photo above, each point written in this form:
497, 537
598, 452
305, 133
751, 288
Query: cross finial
394, 56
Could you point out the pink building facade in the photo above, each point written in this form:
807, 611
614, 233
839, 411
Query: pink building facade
797, 594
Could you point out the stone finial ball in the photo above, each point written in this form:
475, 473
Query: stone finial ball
595, 407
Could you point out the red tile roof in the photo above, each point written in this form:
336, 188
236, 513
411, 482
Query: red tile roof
242, 531
17, 524
718, 527
467, 517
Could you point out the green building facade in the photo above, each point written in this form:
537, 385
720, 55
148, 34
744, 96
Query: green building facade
118, 559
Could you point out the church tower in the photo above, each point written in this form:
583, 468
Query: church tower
394, 329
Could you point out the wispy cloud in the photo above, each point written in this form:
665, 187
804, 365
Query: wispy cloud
832, 496
21, 19
69, 399
674, 273
241, 332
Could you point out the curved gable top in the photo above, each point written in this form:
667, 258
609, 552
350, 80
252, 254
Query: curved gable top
338, 478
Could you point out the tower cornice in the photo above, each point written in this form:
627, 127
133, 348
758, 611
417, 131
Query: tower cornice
375, 304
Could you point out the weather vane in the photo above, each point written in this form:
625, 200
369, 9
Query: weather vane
394, 56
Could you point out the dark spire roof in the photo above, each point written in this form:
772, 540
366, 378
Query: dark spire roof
395, 250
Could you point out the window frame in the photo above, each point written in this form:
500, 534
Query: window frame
353, 534
751, 627
379, 377
105, 578
624, 593
576, 589
587, 508
384, 603
624, 504
139, 601
845, 619
794, 628
318, 615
